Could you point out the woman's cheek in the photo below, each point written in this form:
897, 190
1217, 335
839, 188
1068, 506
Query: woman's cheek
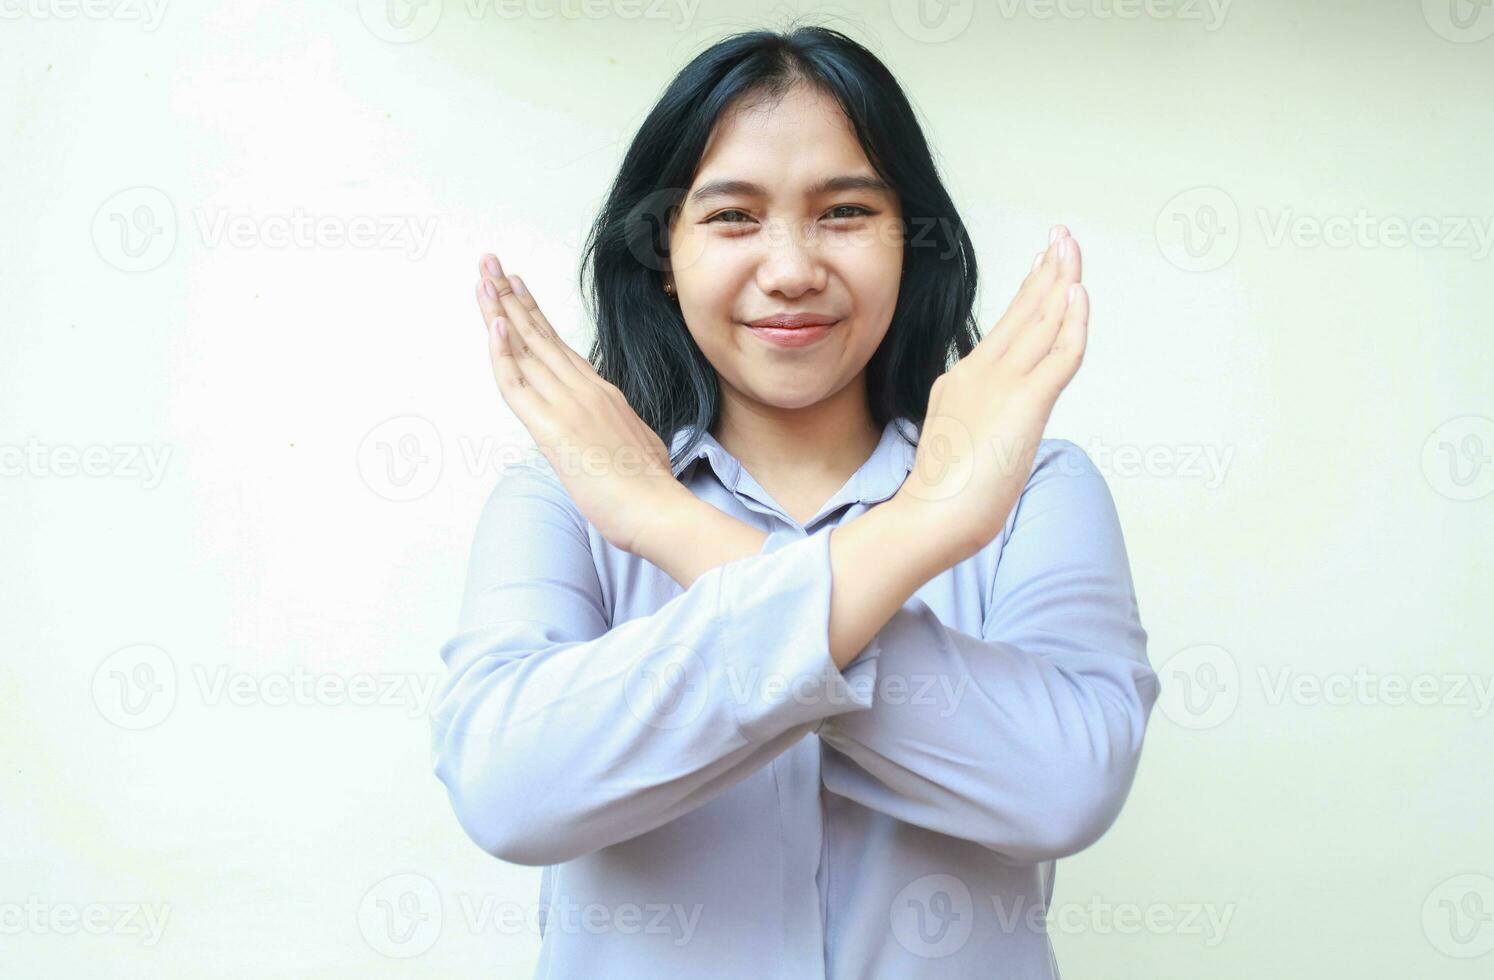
716, 279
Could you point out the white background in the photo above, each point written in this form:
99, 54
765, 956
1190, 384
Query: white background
325, 429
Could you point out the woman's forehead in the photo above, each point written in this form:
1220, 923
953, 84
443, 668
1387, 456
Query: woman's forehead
803, 120
802, 112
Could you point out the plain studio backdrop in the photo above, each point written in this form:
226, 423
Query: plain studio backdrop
249, 423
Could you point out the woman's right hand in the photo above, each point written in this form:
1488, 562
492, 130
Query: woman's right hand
986, 414
615, 468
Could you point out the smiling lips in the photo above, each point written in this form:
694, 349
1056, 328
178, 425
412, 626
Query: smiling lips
792, 329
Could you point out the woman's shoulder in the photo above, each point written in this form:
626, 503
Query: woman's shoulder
1063, 457
529, 488
1066, 486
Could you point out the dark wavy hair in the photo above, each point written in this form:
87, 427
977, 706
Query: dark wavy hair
642, 344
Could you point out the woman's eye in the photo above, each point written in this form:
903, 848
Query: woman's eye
858, 209
841, 212
721, 216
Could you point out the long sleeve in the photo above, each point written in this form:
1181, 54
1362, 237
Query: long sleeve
1027, 738
556, 735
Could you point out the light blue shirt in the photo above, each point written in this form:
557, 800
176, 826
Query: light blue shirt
711, 797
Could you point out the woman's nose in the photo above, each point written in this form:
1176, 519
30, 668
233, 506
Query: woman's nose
790, 264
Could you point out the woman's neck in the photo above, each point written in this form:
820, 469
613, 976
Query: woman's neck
821, 445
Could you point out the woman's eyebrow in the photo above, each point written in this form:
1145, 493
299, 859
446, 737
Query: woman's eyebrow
830, 185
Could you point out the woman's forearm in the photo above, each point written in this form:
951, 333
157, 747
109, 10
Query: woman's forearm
877, 561
692, 537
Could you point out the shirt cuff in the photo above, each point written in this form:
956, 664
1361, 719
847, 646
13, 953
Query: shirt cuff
779, 672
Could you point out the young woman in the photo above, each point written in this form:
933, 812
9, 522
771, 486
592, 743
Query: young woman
824, 686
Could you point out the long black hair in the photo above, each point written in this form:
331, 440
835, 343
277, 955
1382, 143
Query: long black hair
642, 344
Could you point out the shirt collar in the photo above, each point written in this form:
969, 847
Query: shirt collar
877, 479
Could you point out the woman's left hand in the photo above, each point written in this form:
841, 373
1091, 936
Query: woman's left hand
615, 467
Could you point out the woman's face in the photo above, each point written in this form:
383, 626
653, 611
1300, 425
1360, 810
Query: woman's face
759, 235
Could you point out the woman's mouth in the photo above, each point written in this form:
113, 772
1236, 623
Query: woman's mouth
793, 329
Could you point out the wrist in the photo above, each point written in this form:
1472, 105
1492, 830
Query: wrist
664, 517
687, 537
934, 530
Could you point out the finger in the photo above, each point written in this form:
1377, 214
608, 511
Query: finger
487, 302
488, 270
1029, 294
517, 392
1054, 266
541, 345
1067, 352
582, 366
1034, 339
492, 307
537, 372
1066, 274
